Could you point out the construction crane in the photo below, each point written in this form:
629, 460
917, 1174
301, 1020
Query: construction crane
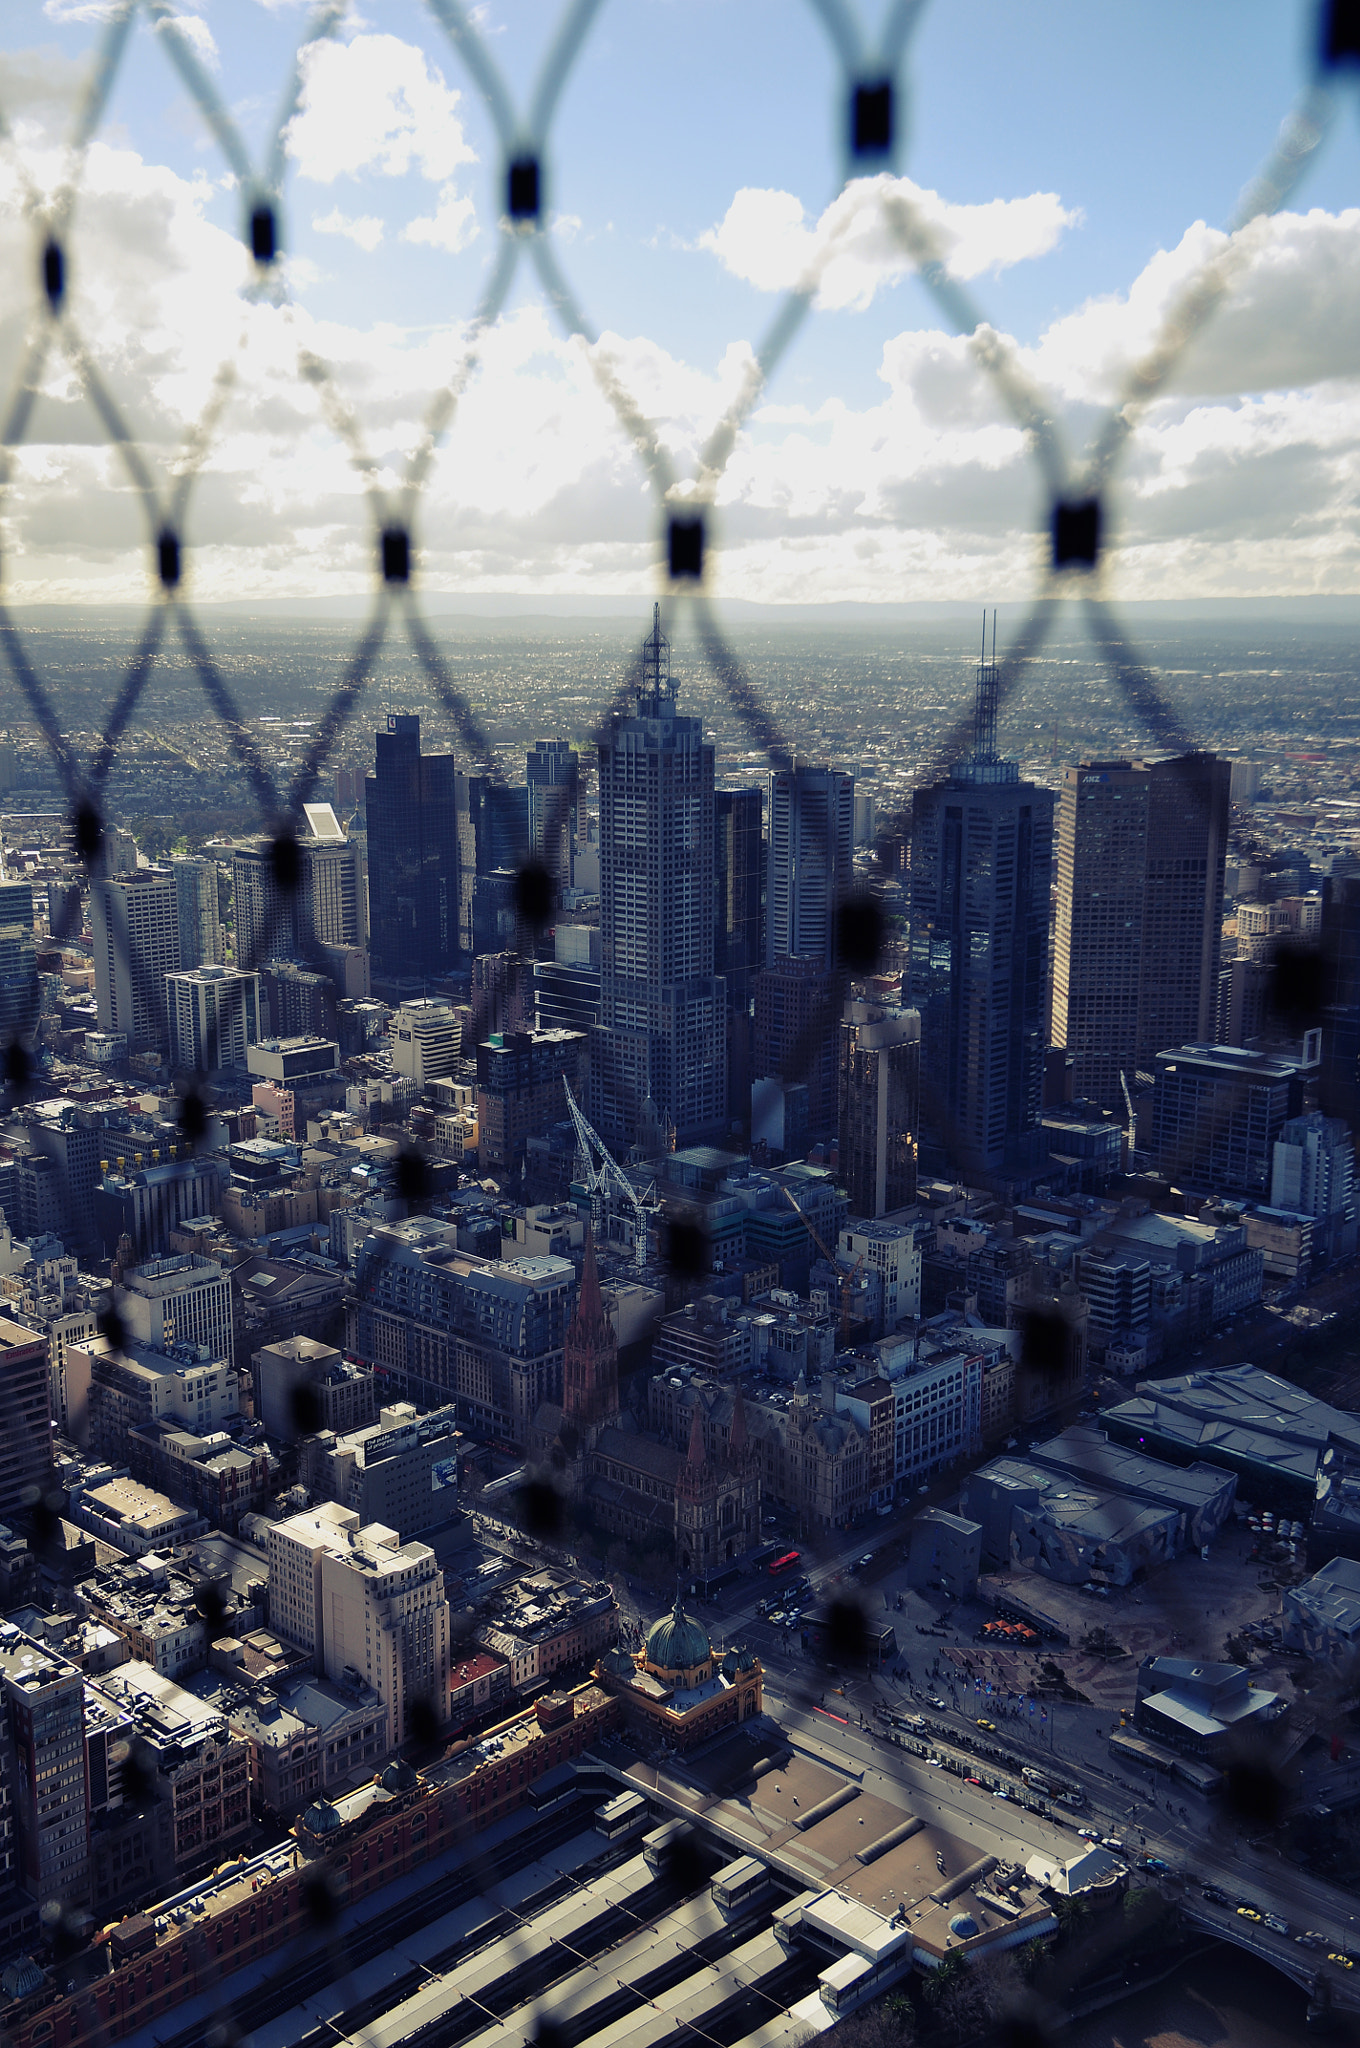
847, 1279
608, 1178
1128, 1104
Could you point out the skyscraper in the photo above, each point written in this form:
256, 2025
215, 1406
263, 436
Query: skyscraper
199, 912
1141, 849
214, 1014
134, 920
553, 774
738, 930
981, 862
659, 1053
880, 1065
493, 843
411, 806
811, 850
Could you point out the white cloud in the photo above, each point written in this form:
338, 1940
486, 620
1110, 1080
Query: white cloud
1289, 317
375, 104
365, 229
451, 226
80, 10
852, 250
1246, 477
198, 36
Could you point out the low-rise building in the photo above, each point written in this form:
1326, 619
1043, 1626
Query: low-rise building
1201, 1709
1322, 1616
135, 1518
548, 1624
197, 1768
307, 1737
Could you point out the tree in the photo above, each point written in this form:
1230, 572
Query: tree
885, 2023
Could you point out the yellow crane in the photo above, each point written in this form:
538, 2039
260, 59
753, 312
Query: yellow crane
847, 1279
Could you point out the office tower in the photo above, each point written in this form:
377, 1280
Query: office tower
65, 910
426, 1037
1216, 1113
214, 1014
880, 1073
502, 993
1141, 851
519, 1090
796, 1006
493, 845
201, 940
118, 853
1313, 1174
135, 922
553, 775
20, 995
1339, 1088
1243, 1001
360, 1598
334, 896
16, 903
410, 802
25, 1415
567, 987
981, 863
659, 1052
45, 1706
738, 931
266, 915
185, 1299
811, 850
297, 1002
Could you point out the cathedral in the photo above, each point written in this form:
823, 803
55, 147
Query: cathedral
631, 1483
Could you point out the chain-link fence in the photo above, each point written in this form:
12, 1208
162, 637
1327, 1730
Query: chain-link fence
867, 85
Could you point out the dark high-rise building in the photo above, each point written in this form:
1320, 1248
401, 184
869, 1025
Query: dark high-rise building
880, 1071
1217, 1111
811, 850
981, 864
412, 811
738, 931
493, 840
553, 777
1339, 1084
796, 1009
659, 1052
1136, 943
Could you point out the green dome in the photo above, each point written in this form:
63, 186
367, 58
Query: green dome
677, 1642
321, 1818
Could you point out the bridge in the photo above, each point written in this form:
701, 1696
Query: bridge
1326, 1983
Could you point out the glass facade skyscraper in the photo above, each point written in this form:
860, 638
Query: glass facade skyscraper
981, 866
659, 1052
411, 805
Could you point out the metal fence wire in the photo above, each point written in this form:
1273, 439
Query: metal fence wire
867, 85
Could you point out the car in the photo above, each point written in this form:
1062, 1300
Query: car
935, 1762
1087, 1835
1342, 1962
1215, 1894
1250, 1905
990, 1726
1003, 1792
975, 1781
938, 1704
1153, 1863
1310, 1938
867, 1558
1248, 1913
1275, 1923
1113, 1844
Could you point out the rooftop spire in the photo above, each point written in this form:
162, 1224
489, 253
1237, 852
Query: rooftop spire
655, 689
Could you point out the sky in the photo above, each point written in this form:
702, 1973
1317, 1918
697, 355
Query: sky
1075, 167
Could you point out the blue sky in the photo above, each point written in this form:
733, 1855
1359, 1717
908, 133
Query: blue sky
1066, 155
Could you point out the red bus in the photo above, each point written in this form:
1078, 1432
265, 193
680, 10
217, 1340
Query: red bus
786, 1563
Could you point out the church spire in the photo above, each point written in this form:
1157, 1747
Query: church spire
590, 1367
